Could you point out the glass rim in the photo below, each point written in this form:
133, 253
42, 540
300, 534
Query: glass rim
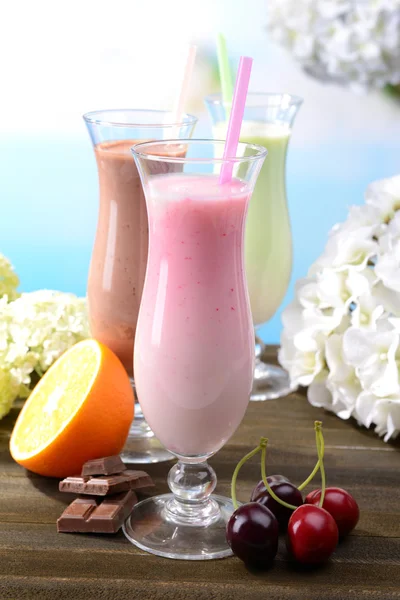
293, 99
261, 152
93, 118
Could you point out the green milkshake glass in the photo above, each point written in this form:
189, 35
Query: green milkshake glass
268, 121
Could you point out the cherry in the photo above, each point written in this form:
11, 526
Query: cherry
312, 534
252, 533
287, 492
260, 488
341, 505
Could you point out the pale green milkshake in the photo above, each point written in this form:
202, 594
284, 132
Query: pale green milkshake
267, 122
268, 243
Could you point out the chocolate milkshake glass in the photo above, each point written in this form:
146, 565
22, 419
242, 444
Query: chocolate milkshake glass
119, 257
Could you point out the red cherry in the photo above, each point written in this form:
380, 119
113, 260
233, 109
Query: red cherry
341, 505
312, 534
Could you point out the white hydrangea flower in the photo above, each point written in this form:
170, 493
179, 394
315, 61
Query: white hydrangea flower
341, 383
387, 298
302, 364
340, 289
385, 412
388, 268
9, 390
385, 196
373, 355
35, 329
9, 280
344, 252
392, 231
318, 393
386, 415
353, 43
364, 220
341, 334
340, 372
368, 310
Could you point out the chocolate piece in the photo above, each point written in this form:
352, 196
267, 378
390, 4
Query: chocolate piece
109, 465
138, 479
104, 486
97, 515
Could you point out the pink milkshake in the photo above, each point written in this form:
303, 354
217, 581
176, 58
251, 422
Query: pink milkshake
193, 348
193, 358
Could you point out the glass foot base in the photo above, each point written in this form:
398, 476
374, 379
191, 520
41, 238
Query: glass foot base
270, 382
152, 527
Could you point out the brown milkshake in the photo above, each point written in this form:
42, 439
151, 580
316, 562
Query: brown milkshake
119, 258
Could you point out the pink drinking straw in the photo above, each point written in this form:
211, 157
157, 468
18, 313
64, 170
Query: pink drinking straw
236, 117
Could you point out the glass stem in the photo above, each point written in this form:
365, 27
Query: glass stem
259, 347
138, 411
192, 486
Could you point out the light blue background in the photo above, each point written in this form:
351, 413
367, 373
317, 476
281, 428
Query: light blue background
48, 192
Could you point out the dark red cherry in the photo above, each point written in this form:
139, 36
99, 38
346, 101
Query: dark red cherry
260, 487
252, 533
285, 491
312, 535
341, 505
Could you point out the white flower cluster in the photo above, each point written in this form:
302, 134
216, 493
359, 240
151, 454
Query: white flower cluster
341, 333
350, 42
35, 329
9, 280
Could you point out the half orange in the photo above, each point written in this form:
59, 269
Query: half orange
81, 409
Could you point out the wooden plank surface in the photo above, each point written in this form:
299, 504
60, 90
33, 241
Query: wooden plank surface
36, 562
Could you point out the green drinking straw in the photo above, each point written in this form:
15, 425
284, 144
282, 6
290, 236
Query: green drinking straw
225, 74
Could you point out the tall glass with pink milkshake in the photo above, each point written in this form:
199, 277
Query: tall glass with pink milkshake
194, 346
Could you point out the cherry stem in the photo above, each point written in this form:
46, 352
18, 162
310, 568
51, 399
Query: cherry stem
321, 449
319, 438
317, 426
239, 466
263, 445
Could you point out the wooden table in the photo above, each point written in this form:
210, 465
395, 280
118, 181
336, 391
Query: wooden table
36, 562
